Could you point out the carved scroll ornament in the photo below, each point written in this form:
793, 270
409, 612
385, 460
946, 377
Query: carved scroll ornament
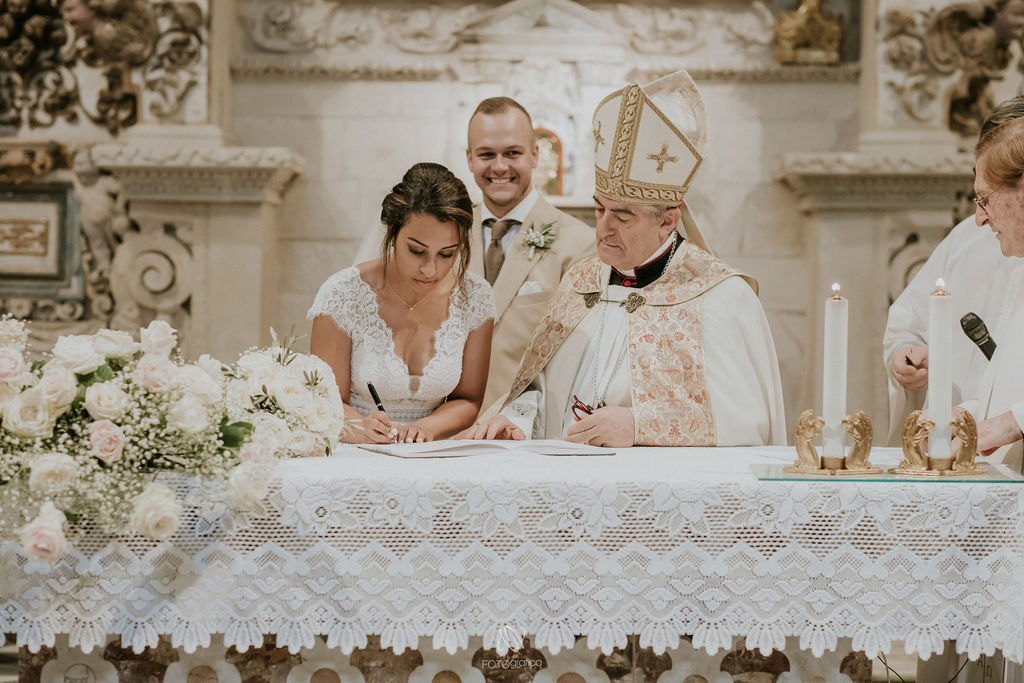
139, 47
953, 54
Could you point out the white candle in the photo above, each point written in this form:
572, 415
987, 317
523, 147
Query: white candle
833, 388
940, 368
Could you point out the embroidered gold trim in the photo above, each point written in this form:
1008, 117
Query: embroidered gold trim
616, 182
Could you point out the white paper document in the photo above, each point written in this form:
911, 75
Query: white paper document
457, 448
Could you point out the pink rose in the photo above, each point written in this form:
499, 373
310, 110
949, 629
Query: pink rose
107, 441
43, 538
155, 373
12, 364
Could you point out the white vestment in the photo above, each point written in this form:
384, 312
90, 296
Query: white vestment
740, 366
1001, 387
977, 275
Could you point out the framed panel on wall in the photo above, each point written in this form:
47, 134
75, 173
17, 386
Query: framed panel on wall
40, 251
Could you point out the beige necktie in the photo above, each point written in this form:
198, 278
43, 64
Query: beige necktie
495, 255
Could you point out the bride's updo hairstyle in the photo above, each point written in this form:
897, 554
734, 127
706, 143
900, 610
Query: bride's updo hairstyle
431, 190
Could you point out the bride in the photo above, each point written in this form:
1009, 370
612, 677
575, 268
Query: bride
413, 323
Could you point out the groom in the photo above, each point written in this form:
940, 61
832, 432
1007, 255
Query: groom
502, 153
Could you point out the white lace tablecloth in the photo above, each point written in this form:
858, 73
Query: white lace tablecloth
659, 542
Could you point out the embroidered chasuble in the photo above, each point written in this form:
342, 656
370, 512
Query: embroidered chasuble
691, 354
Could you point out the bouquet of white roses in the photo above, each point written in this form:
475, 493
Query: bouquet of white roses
290, 399
84, 433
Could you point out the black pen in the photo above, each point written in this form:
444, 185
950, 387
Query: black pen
376, 398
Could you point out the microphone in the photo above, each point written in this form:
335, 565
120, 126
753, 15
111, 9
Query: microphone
974, 328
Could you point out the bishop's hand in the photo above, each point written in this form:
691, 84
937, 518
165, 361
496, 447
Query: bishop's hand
498, 427
609, 427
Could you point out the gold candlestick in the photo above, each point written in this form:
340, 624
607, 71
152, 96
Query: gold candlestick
855, 462
916, 463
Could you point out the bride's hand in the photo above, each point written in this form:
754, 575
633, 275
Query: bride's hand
378, 428
413, 433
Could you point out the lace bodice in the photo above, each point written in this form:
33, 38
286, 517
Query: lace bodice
350, 302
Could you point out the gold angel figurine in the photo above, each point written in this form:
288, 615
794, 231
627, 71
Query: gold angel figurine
965, 428
807, 428
915, 430
858, 426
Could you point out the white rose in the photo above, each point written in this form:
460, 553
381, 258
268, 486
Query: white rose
12, 364
105, 401
196, 382
155, 373
43, 538
158, 338
258, 450
27, 415
77, 353
7, 392
303, 364
320, 419
114, 344
59, 386
212, 367
13, 333
51, 473
270, 428
238, 395
188, 415
269, 376
304, 444
247, 484
107, 441
294, 398
157, 513
250, 361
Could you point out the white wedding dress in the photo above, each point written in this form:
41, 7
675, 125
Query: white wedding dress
350, 302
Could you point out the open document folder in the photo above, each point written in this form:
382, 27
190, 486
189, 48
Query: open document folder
457, 448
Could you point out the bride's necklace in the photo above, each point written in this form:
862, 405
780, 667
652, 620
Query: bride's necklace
402, 299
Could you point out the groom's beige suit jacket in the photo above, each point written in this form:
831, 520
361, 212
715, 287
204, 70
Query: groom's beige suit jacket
523, 288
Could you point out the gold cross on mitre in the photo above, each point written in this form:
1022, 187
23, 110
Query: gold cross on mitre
662, 158
598, 139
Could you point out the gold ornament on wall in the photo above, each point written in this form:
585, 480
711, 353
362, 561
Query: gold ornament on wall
808, 35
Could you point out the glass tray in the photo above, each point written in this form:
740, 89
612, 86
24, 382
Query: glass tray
994, 474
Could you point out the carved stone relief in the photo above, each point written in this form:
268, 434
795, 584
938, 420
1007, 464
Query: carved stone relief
944, 61
280, 26
324, 38
99, 58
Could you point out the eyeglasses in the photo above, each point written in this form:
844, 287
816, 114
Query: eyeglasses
580, 409
982, 202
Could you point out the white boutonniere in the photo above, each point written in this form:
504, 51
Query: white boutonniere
538, 238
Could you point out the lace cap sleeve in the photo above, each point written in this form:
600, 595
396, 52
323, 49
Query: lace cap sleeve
481, 301
340, 299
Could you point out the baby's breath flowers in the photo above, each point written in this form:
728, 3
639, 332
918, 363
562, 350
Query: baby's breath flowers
85, 434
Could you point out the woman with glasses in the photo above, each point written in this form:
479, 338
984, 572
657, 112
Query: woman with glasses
999, 186
976, 272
